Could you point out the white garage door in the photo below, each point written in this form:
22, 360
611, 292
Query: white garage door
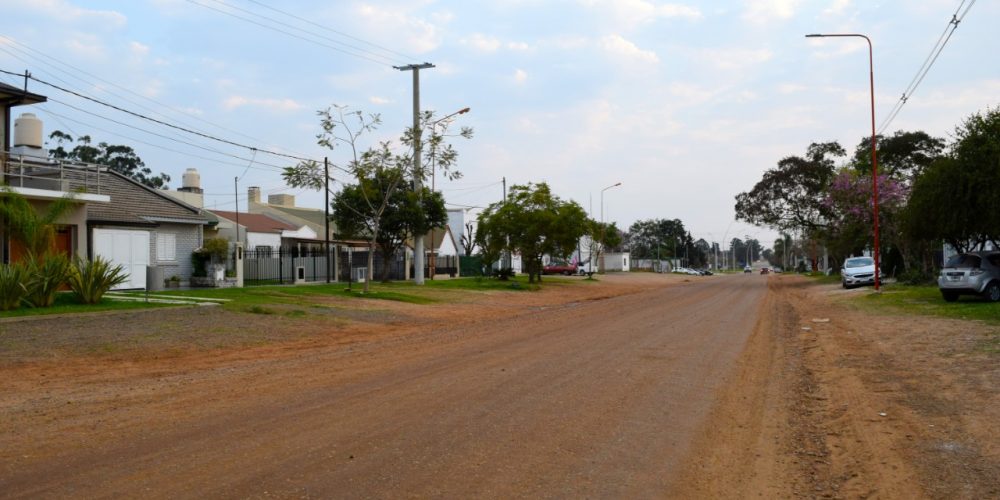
127, 248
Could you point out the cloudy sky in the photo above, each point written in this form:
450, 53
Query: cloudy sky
686, 104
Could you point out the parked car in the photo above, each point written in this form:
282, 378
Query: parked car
976, 273
705, 272
560, 267
857, 271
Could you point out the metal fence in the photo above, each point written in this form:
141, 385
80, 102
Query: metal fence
352, 263
265, 266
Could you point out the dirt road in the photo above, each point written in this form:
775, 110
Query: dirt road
641, 386
598, 399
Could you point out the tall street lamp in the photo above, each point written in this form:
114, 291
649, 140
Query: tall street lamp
432, 264
871, 82
601, 246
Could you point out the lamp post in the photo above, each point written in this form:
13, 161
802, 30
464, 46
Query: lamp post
432, 264
601, 245
871, 83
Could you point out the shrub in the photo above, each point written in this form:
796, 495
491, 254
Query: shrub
90, 280
12, 285
216, 248
45, 276
503, 274
916, 277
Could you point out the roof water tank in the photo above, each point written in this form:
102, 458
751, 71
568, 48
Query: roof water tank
28, 131
191, 179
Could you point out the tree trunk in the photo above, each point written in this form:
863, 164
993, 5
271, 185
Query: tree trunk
371, 268
386, 261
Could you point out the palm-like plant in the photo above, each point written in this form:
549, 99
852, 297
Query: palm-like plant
45, 276
43, 272
12, 285
90, 280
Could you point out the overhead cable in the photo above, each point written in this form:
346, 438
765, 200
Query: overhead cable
932, 57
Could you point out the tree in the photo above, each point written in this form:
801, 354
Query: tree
956, 198
655, 238
469, 239
379, 175
603, 235
791, 196
533, 222
121, 159
901, 156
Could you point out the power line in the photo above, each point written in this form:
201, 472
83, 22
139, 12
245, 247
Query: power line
928, 63
385, 60
404, 56
160, 122
24, 47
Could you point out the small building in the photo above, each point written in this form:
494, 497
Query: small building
617, 261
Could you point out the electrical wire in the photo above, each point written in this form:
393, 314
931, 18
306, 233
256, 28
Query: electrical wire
925, 68
24, 49
270, 19
161, 122
385, 61
405, 56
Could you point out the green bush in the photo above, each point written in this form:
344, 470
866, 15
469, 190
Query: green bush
12, 285
90, 280
45, 276
503, 274
916, 277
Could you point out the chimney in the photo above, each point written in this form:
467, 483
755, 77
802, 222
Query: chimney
282, 200
254, 194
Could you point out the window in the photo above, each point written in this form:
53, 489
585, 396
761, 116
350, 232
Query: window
166, 247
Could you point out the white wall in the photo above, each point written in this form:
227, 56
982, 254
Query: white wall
254, 240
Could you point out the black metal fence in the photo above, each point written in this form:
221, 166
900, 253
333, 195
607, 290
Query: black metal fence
265, 266
354, 264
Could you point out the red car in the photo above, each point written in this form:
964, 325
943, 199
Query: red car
556, 267
764, 270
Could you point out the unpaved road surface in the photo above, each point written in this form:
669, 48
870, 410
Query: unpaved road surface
642, 386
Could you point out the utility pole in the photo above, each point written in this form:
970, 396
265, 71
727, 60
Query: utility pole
504, 264
418, 174
326, 218
236, 198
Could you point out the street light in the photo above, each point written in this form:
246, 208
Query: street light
601, 245
433, 261
871, 82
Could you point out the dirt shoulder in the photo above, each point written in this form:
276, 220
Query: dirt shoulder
833, 401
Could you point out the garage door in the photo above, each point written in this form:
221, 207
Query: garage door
127, 248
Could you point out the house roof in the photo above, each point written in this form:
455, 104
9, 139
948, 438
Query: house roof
256, 223
13, 96
312, 217
135, 204
437, 237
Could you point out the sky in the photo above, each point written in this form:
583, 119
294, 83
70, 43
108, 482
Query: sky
686, 104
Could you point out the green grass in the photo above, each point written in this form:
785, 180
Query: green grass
66, 303
926, 300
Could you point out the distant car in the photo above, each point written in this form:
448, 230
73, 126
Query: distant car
747, 270
705, 272
976, 273
558, 267
764, 270
857, 271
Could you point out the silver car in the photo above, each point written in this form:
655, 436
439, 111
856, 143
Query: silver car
976, 273
857, 271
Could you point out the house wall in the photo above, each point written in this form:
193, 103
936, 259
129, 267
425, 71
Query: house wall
76, 218
617, 261
254, 240
187, 238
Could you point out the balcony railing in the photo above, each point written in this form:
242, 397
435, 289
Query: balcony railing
49, 175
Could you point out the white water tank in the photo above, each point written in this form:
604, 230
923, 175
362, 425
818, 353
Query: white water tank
28, 131
191, 181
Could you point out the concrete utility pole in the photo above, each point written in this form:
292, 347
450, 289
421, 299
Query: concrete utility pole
418, 184
326, 217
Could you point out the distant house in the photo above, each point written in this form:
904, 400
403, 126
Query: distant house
260, 232
142, 226
282, 207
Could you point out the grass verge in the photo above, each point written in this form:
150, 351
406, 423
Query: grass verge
66, 303
926, 300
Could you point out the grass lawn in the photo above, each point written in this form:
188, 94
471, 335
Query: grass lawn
66, 304
257, 299
926, 299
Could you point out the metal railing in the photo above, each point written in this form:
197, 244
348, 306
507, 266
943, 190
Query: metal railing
50, 175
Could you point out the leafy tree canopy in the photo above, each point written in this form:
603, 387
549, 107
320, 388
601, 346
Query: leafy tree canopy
533, 222
902, 155
121, 159
790, 196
